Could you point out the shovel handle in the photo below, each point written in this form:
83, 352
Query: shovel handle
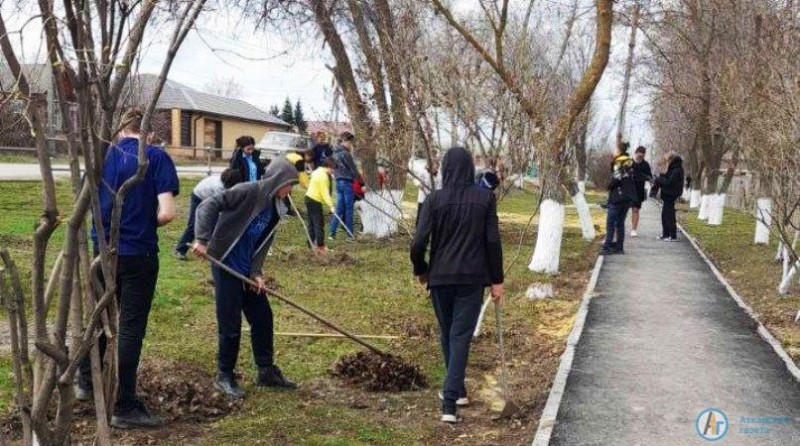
289, 302
498, 312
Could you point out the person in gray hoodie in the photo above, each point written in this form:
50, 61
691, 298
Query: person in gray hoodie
237, 227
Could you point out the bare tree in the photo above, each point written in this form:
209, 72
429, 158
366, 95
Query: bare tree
224, 86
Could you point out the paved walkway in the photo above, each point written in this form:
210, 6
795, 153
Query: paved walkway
30, 171
663, 341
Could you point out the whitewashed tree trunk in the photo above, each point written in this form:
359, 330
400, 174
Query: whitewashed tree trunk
587, 225
694, 199
788, 278
685, 194
763, 220
548, 240
380, 212
716, 209
779, 252
703, 213
582, 187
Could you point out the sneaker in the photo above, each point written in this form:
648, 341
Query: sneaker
461, 402
669, 239
634, 233
330, 238
135, 417
606, 251
272, 376
180, 255
229, 387
449, 415
82, 393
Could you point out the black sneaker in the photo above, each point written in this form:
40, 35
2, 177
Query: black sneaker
271, 376
449, 414
180, 255
229, 387
617, 250
135, 417
606, 251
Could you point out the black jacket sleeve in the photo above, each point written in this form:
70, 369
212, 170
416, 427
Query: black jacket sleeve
494, 245
419, 246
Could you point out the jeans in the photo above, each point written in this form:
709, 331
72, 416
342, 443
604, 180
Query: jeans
233, 298
188, 233
345, 202
669, 226
457, 309
316, 225
136, 285
615, 224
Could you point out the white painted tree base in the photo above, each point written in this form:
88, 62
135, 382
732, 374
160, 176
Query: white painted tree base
582, 187
716, 209
704, 202
547, 252
540, 291
380, 212
694, 199
786, 283
587, 225
763, 220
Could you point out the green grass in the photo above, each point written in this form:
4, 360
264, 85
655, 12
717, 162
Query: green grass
751, 271
377, 295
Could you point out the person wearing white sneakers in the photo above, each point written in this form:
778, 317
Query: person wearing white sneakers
641, 175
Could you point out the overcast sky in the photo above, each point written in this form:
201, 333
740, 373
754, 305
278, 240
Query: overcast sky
271, 67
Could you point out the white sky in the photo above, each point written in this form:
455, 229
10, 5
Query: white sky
271, 67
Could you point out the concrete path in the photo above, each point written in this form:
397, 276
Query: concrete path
30, 171
664, 341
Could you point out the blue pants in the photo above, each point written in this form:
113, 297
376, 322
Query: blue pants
234, 298
615, 224
188, 233
457, 309
345, 204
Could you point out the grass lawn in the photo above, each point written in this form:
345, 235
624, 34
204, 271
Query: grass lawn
374, 295
751, 271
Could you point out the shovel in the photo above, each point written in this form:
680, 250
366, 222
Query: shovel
289, 302
510, 408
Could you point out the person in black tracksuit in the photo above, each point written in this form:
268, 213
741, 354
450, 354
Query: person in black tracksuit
671, 186
621, 194
460, 223
641, 174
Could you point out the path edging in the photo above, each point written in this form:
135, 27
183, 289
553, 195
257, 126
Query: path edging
548, 418
762, 330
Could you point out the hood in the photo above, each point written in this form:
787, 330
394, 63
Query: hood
675, 163
279, 173
458, 169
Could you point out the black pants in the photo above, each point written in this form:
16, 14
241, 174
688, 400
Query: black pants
419, 211
316, 222
615, 225
234, 298
669, 225
457, 309
188, 233
136, 285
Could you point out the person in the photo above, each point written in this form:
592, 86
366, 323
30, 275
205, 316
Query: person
670, 185
425, 184
641, 174
236, 227
246, 159
147, 206
319, 193
621, 194
460, 223
204, 189
322, 148
346, 174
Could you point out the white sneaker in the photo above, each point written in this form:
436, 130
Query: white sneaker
463, 401
447, 418
634, 233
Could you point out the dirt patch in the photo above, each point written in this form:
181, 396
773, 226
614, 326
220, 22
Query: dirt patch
335, 259
380, 372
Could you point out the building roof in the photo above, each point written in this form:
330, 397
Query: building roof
177, 95
37, 74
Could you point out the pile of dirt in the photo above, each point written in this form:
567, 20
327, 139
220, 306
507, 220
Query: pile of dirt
335, 259
380, 373
182, 391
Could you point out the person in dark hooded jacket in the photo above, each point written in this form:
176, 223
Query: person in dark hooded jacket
671, 186
460, 223
237, 227
621, 195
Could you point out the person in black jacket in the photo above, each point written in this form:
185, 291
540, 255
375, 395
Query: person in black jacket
322, 148
641, 174
621, 194
245, 159
671, 187
460, 223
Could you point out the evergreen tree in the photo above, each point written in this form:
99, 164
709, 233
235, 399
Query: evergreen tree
287, 115
274, 110
299, 119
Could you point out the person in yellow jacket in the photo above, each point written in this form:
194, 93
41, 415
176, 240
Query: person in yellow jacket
319, 194
299, 163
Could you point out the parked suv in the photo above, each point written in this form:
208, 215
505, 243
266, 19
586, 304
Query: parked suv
275, 144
